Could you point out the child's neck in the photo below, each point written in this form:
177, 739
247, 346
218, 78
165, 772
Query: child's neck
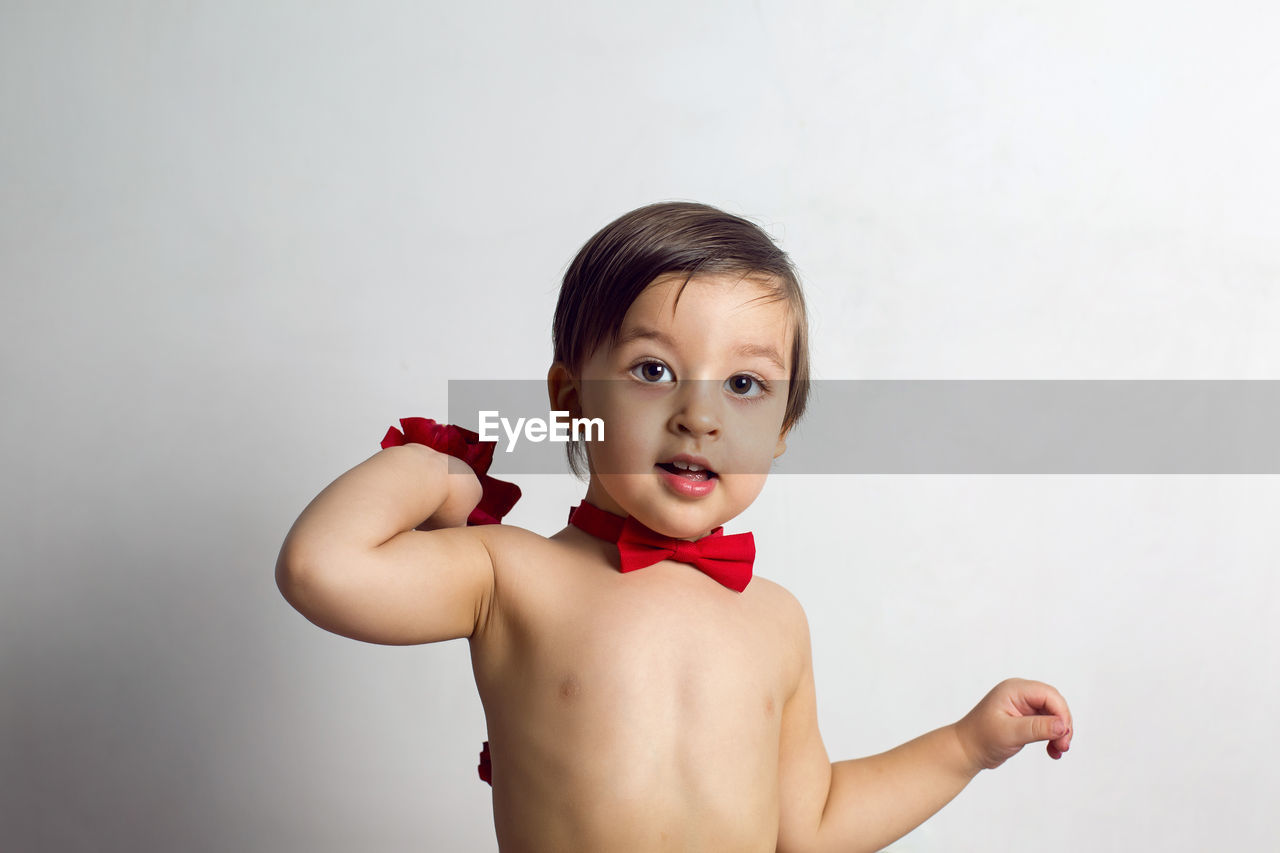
598, 497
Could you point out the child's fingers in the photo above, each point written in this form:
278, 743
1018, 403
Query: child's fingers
1053, 703
1041, 727
1047, 715
1038, 697
1035, 697
1063, 743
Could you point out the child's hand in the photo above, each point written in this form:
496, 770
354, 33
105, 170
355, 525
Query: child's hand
1015, 713
464, 493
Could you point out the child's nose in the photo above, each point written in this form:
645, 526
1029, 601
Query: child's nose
697, 411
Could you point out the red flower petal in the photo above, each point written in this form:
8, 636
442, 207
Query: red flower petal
498, 496
486, 766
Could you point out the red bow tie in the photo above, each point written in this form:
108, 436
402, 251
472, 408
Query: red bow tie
726, 559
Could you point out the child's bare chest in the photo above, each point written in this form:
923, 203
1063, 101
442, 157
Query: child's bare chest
665, 642
692, 641
656, 696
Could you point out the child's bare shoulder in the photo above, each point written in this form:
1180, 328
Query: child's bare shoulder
510, 544
786, 614
518, 555
779, 599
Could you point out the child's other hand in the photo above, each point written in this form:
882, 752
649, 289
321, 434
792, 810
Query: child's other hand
1015, 713
464, 493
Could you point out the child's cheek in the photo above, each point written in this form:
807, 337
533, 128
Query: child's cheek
750, 455
624, 449
744, 488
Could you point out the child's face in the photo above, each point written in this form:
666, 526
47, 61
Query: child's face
700, 380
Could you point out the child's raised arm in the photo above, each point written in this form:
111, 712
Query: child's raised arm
354, 564
867, 803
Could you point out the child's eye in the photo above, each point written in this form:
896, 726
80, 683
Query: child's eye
745, 385
652, 371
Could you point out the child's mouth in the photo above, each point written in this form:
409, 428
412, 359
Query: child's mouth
688, 470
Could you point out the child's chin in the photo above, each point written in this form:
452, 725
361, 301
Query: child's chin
685, 523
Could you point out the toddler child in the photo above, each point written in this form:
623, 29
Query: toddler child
643, 689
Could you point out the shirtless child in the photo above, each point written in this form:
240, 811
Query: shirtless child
656, 709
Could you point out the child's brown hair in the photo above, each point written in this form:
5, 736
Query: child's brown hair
624, 258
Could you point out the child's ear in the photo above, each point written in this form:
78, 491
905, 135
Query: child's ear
562, 390
782, 443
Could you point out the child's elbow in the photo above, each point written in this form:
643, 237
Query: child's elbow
295, 570
302, 583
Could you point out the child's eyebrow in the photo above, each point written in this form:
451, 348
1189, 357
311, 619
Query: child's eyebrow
762, 351
638, 333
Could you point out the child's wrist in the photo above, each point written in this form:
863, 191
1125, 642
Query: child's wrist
966, 758
497, 496
428, 460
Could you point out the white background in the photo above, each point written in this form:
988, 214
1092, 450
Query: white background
240, 239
